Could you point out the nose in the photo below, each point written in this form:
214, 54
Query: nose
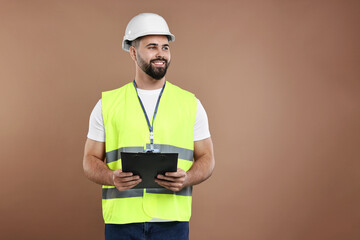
160, 54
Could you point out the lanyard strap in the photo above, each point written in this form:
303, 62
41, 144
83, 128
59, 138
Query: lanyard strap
151, 126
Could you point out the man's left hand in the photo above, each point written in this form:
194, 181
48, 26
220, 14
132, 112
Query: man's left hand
174, 181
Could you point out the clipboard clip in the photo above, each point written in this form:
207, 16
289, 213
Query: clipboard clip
152, 150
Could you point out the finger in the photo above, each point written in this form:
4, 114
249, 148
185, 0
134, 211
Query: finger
171, 186
178, 173
174, 174
168, 184
135, 183
128, 185
162, 183
162, 177
131, 184
128, 179
120, 173
171, 179
125, 174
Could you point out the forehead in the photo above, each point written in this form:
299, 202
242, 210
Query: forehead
157, 39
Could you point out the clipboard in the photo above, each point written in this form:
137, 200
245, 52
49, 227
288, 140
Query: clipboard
148, 165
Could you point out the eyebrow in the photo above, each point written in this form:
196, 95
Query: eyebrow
155, 44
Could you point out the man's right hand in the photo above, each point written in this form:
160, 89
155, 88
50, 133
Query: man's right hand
124, 180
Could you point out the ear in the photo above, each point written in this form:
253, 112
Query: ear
132, 51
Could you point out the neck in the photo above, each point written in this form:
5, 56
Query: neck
144, 81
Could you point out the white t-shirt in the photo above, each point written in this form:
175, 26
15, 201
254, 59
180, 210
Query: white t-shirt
149, 99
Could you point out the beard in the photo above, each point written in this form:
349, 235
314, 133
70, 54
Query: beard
148, 68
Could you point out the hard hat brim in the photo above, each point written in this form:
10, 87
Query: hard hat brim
126, 44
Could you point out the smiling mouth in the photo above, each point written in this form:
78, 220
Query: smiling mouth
158, 62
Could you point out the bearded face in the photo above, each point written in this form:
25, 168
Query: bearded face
156, 68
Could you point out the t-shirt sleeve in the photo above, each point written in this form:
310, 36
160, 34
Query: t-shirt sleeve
201, 127
96, 124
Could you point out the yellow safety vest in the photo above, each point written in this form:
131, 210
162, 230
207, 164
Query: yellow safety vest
126, 130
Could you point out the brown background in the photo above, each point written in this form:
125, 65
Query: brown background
280, 81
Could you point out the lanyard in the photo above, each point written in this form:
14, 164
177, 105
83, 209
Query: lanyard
151, 126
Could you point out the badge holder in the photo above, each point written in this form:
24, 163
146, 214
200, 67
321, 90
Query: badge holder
151, 149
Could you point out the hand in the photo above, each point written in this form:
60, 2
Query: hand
174, 181
125, 180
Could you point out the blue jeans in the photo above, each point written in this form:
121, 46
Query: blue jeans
148, 231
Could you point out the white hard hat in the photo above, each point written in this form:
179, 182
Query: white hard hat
145, 24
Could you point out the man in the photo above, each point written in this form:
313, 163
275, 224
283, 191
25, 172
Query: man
148, 113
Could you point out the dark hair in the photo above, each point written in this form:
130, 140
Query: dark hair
136, 42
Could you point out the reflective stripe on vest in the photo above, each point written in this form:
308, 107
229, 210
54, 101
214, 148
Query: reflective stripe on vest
184, 153
111, 193
126, 130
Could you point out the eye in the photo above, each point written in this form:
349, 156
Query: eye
165, 48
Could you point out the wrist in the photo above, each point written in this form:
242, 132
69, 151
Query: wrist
110, 177
188, 179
